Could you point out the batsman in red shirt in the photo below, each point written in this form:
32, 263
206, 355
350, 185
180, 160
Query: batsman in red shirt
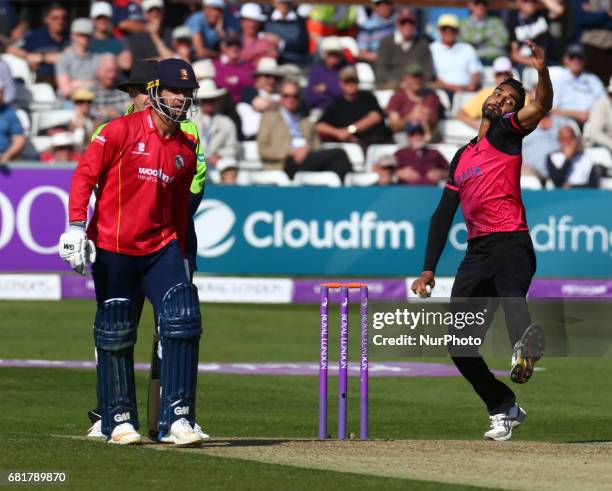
500, 261
142, 165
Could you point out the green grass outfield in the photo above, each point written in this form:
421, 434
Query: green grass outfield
41, 408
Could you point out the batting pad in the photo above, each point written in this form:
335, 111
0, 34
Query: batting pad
115, 336
180, 328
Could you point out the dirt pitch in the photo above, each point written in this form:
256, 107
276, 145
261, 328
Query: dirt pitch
509, 465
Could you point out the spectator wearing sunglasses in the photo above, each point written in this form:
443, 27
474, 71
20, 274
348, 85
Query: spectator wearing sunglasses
487, 34
288, 140
401, 48
471, 113
578, 90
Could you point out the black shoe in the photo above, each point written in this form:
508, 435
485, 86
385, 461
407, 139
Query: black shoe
527, 350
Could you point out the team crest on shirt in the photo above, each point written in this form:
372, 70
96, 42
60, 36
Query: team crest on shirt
179, 162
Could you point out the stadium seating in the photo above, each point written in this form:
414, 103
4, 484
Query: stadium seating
530, 182
361, 179
329, 179
36, 97
377, 151
269, 178
19, 68
366, 76
249, 159
448, 150
459, 100
444, 100
455, 131
383, 97
599, 155
353, 151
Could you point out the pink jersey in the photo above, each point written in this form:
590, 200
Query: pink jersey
487, 176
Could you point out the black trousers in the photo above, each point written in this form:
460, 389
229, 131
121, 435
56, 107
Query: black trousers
497, 268
328, 159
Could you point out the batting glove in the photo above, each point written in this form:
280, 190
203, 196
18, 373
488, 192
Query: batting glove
76, 249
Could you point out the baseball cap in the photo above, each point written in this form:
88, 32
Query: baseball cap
413, 69
502, 64
412, 128
175, 73
349, 73
574, 50
225, 163
82, 25
448, 20
182, 32
101, 9
147, 5
252, 11
217, 4
83, 94
143, 71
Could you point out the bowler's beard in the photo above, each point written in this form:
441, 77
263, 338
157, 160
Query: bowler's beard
490, 112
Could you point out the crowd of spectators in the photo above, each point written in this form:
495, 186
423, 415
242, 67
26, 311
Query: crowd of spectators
300, 81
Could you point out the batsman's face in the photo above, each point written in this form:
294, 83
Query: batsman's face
503, 100
178, 100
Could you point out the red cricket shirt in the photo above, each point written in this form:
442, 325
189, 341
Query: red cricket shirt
143, 186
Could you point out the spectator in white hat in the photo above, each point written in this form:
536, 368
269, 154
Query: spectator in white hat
62, 150
12, 137
260, 97
103, 41
209, 27
457, 65
217, 132
598, 128
77, 65
471, 112
182, 43
155, 40
324, 79
255, 43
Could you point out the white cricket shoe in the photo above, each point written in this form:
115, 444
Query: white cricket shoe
198, 429
181, 433
501, 424
96, 430
125, 434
